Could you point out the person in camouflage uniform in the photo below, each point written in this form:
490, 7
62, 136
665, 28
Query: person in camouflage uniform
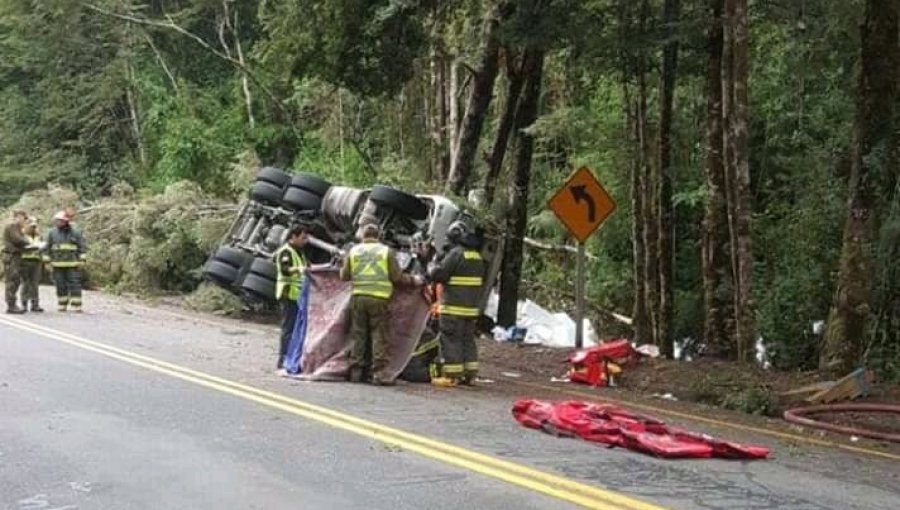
14, 243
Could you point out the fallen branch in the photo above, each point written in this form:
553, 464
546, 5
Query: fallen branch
555, 247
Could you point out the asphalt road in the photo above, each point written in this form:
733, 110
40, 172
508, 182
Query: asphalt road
86, 427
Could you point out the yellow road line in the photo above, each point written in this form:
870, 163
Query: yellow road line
546, 483
712, 421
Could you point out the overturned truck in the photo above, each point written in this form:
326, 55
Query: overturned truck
277, 200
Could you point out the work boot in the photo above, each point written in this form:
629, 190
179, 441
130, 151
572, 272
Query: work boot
14, 309
378, 381
36, 307
443, 382
62, 308
355, 375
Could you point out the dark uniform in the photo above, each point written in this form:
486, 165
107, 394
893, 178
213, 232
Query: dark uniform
373, 270
461, 272
14, 243
32, 270
290, 266
66, 252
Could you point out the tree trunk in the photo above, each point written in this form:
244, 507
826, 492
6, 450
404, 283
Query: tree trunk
671, 10
477, 107
504, 130
873, 170
517, 219
453, 96
649, 180
715, 226
737, 172
639, 325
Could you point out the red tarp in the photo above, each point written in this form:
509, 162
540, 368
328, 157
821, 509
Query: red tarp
614, 426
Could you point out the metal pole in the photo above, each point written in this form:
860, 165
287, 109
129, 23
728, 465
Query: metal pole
579, 297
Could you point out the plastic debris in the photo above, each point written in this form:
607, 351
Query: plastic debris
559, 379
514, 375
651, 351
614, 426
665, 396
542, 326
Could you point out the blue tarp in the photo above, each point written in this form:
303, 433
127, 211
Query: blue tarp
295, 349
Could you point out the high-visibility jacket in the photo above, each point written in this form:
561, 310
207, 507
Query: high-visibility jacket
65, 248
287, 284
370, 270
31, 253
461, 272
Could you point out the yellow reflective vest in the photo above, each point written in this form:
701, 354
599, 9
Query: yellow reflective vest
370, 270
288, 286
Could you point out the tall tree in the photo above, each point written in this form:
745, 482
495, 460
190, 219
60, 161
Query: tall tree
477, 107
665, 215
514, 78
715, 220
517, 219
872, 177
735, 113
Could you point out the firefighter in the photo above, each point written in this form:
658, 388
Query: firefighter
291, 265
373, 270
14, 243
32, 268
461, 274
65, 251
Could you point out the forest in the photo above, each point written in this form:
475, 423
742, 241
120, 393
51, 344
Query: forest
751, 145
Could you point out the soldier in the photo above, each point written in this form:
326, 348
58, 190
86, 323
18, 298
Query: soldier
291, 266
66, 252
373, 270
461, 273
32, 268
14, 243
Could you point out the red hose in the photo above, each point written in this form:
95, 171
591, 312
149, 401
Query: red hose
798, 416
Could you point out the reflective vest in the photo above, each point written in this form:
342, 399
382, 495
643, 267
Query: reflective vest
369, 270
463, 290
291, 282
31, 253
65, 248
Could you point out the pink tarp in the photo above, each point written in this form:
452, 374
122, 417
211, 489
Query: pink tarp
614, 426
326, 347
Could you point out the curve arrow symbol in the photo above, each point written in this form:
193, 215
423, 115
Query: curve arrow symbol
580, 194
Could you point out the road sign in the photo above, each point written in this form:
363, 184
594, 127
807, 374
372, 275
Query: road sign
582, 205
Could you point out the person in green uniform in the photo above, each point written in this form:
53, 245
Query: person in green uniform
461, 272
14, 243
32, 268
373, 270
291, 266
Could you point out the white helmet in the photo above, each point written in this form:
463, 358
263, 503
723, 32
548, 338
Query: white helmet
457, 231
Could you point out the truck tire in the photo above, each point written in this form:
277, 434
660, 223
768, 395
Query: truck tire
265, 193
273, 176
311, 182
404, 203
231, 256
259, 287
220, 273
301, 200
264, 268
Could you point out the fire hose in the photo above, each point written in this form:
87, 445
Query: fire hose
798, 416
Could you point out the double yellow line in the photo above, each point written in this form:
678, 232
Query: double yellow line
539, 481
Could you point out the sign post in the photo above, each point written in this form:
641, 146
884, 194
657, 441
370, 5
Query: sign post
582, 205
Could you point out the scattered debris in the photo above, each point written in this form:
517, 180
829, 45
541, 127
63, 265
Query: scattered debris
614, 426
514, 375
479, 380
853, 385
665, 396
651, 351
541, 326
597, 366
560, 379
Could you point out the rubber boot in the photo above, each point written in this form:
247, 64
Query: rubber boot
14, 309
36, 307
